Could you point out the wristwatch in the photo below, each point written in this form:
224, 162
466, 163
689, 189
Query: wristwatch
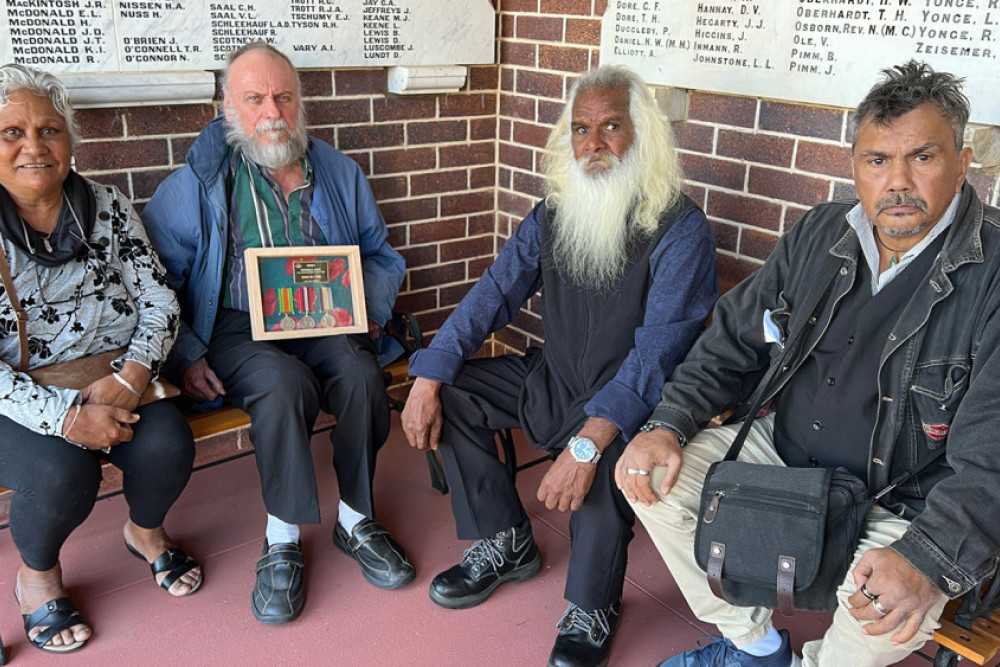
583, 450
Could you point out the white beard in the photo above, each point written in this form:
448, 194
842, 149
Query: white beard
593, 231
276, 154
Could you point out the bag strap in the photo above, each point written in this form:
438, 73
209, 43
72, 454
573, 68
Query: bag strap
19, 312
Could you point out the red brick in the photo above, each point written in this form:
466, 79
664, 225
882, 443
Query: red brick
732, 270
364, 161
477, 267
464, 204
316, 84
511, 338
102, 123
437, 231
782, 185
757, 244
726, 236
540, 84
750, 147
110, 155
529, 184
504, 178
420, 256
144, 183
437, 182
451, 296
339, 112
327, 134
120, 181
506, 26
792, 215
515, 106
982, 183
482, 177
694, 136
519, 6
467, 154
482, 128
392, 187
583, 31
562, 58
438, 131
697, 193
595, 59
723, 109
483, 78
516, 156
417, 302
600, 7
484, 223
404, 108
517, 205
540, 28
432, 321
397, 235
467, 248
360, 81
478, 104
565, 7
411, 209
723, 173
802, 120
518, 53
549, 112
369, 136
844, 191
745, 209
437, 276
532, 135
507, 79
828, 159
179, 119
404, 159
529, 323
179, 147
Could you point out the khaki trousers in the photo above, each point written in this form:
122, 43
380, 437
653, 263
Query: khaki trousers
671, 525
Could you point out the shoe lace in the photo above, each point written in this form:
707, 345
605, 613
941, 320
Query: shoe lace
482, 552
595, 623
713, 651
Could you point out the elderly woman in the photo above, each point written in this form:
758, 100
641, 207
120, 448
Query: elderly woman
84, 272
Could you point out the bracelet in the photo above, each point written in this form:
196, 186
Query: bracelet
128, 385
72, 423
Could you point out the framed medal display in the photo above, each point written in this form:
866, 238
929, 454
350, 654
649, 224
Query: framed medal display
305, 291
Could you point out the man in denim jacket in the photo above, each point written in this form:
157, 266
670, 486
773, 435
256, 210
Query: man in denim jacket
901, 360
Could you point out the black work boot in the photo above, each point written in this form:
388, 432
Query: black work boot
510, 555
584, 638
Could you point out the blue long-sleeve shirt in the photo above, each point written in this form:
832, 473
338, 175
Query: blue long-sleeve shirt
684, 288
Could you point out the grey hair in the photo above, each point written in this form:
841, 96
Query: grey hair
15, 78
661, 174
907, 87
258, 45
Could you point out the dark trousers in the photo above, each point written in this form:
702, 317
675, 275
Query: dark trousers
484, 399
56, 483
283, 385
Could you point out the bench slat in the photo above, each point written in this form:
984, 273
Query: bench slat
966, 643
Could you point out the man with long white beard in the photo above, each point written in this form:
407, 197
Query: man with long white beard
253, 178
628, 267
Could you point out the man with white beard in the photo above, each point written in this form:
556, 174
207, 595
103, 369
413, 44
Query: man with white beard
628, 267
253, 178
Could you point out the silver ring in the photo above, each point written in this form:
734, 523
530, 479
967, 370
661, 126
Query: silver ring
867, 593
636, 471
878, 606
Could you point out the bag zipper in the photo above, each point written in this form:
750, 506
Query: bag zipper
774, 501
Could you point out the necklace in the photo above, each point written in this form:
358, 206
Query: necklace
46, 238
895, 260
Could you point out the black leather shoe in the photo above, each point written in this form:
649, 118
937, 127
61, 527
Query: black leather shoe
510, 555
278, 596
584, 638
383, 562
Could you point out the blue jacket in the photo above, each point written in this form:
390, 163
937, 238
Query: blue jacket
188, 217
938, 378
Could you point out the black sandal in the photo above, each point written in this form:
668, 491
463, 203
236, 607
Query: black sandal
173, 561
58, 615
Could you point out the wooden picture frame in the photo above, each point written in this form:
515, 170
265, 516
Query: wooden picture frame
305, 291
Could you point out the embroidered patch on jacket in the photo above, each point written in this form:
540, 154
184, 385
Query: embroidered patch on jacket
936, 431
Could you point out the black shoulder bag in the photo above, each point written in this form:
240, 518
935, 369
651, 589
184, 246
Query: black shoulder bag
778, 537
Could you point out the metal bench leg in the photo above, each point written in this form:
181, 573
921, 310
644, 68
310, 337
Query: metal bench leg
945, 658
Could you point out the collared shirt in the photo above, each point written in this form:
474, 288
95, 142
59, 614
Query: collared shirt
261, 217
863, 227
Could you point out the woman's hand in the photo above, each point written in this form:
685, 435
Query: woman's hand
118, 392
98, 426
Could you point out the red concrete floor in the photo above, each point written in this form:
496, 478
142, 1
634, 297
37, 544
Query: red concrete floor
220, 520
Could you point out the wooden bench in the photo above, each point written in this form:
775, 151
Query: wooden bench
970, 628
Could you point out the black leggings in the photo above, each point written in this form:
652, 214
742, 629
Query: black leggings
56, 483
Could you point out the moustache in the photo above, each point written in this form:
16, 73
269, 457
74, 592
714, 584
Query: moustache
900, 199
607, 159
272, 126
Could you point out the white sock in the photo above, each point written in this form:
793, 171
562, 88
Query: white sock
769, 644
348, 517
279, 532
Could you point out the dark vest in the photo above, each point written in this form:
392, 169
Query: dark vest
826, 413
588, 334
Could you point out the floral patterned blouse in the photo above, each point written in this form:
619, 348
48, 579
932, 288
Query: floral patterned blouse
115, 296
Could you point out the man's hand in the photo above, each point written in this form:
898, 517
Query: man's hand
566, 483
421, 417
99, 426
647, 450
201, 383
374, 329
902, 591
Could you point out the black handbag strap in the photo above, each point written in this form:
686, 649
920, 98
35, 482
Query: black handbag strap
810, 305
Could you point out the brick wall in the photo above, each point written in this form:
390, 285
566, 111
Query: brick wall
454, 174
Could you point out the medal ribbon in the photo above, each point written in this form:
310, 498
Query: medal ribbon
285, 300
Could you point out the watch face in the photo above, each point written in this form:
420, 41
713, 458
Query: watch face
583, 449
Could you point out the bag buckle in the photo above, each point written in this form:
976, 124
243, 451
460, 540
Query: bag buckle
786, 585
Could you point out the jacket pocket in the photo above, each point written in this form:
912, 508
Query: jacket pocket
936, 392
